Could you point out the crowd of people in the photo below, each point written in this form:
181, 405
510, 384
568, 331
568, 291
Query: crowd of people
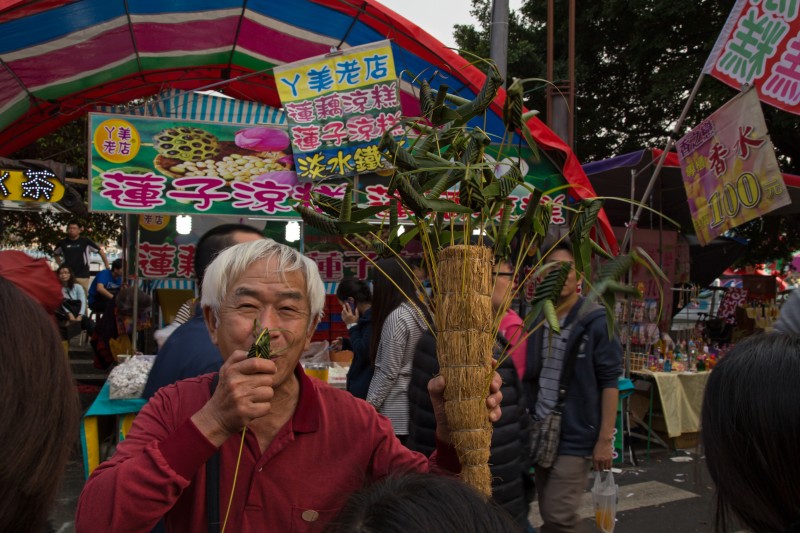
232, 443
394, 363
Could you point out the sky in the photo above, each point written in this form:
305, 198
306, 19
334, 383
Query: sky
438, 17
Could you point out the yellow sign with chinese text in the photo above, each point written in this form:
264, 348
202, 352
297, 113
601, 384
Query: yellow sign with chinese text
153, 222
32, 185
338, 106
116, 140
357, 67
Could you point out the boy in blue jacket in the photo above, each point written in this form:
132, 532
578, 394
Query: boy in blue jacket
590, 408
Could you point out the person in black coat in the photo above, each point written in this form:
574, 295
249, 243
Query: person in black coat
512, 485
356, 299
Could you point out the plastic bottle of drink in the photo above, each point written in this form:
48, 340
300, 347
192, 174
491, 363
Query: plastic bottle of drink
667, 365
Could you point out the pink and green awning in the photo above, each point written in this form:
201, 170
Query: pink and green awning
59, 59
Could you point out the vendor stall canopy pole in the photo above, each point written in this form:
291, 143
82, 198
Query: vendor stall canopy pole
670, 141
134, 333
628, 298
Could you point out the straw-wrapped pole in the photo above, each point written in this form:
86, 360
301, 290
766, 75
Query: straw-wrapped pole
463, 322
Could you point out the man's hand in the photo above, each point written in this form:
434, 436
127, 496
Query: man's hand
244, 393
436, 388
603, 454
604, 448
349, 317
336, 345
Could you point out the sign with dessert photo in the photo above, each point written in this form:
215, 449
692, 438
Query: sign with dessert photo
157, 165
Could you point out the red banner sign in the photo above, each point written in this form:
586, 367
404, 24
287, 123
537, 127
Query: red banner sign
760, 46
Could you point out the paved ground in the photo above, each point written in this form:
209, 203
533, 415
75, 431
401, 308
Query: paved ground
660, 495
670, 492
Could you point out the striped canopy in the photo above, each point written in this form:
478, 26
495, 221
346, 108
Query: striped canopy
60, 59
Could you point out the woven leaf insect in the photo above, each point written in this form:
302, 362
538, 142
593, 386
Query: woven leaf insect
261, 346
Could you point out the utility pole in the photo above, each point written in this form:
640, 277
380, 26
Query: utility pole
561, 98
498, 41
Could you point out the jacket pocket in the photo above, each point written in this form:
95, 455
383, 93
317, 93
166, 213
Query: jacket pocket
579, 424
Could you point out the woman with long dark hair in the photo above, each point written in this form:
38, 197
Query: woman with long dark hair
73, 309
399, 318
751, 430
40, 410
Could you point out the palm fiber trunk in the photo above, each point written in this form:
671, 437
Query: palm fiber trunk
463, 322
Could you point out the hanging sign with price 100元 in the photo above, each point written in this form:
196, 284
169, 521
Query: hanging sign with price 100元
729, 168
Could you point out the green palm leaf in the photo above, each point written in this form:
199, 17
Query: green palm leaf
412, 199
426, 101
547, 295
328, 204
583, 222
347, 203
396, 154
483, 100
512, 109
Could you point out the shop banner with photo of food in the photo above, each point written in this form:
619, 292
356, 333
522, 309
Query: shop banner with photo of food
158, 165
729, 168
338, 106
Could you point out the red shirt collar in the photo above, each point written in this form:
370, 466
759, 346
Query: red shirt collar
306, 415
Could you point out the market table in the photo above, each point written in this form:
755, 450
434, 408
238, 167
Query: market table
123, 411
681, 396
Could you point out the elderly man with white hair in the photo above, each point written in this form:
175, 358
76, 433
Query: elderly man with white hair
306, 447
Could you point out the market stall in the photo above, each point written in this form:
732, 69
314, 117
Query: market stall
105, 423
668, 404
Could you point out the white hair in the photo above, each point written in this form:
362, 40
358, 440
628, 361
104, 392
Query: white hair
233, 261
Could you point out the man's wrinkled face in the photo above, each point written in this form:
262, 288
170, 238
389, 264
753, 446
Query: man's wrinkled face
279, 303
73, 231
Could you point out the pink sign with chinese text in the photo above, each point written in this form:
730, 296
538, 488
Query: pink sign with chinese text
729, 168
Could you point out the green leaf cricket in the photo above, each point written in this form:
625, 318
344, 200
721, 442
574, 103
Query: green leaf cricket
261, 347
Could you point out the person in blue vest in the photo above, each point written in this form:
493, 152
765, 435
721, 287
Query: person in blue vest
189, 351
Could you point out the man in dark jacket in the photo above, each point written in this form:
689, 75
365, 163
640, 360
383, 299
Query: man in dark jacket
512, 486
189, 351
590, 408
